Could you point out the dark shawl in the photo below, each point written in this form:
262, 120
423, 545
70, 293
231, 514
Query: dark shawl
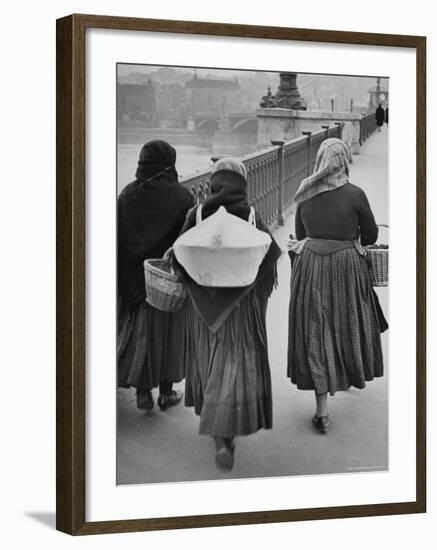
150, 213
214, 305
379, 116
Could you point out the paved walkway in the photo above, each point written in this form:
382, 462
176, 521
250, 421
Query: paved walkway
154, 446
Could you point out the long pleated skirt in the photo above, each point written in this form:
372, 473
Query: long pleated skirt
228, 373
149, 347
335, 322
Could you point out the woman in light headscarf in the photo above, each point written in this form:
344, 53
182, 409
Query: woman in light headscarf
150, 213
227, 366
335, 319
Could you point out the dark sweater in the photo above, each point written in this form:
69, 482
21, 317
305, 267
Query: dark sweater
342, 215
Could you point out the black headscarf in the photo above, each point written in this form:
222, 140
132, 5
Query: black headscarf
157, 157
228, 189
150, 213
214, 305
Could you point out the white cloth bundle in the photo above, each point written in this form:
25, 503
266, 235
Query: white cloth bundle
223, 250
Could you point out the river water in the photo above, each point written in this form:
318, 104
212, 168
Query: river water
190, 159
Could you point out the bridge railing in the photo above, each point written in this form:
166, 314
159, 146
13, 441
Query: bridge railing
367, 126
262, 182
273, 174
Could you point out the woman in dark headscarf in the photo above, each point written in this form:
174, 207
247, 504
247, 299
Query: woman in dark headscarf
228, 373
335, 319
151, 212
379, 117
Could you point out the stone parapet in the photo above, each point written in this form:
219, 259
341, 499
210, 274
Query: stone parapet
287, 124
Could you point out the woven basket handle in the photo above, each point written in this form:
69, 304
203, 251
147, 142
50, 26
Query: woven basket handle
382, 225
199, 214
168, 259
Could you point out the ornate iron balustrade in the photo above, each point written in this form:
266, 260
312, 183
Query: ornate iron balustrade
273, 174
367, 126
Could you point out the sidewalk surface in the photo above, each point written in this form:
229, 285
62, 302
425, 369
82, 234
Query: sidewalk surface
165, 447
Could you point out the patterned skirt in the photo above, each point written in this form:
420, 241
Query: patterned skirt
149, 347
335, 322
228, 373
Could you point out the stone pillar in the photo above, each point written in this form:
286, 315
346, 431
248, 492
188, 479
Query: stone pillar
326, 128
280, 143
355, 145
288, 96
309, 167
340, 129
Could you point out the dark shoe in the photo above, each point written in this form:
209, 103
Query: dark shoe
145, 400
321, 423
169, 400
224, 456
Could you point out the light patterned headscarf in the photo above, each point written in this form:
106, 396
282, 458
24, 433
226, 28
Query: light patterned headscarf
331, 170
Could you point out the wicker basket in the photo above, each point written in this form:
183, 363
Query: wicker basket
164, 290
378, 260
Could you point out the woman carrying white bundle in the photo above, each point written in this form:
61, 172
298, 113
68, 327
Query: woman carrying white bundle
227, 366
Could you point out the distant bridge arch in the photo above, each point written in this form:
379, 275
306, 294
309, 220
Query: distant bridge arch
209, 124
247, 125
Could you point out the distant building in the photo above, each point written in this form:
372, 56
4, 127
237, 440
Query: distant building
136, 103
214, 97
172, 105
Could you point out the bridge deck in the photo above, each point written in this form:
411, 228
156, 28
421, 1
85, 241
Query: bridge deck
165, 446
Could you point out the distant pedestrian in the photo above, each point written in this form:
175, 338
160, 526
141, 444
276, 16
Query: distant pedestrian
151, 212
379, 117
228, 373
335, 319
